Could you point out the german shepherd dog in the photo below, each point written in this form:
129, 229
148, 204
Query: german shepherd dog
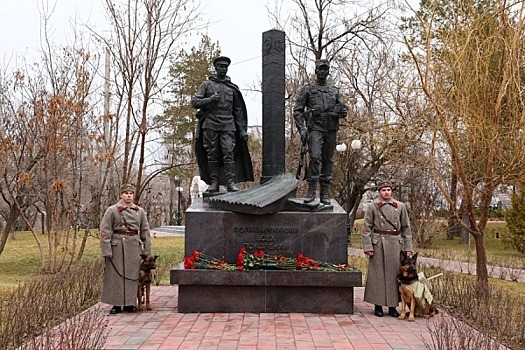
145, 278
408, 277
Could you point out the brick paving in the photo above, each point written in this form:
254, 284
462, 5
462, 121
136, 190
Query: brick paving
165, 328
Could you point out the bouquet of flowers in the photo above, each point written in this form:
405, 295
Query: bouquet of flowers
199, 260
259, 260
306, 263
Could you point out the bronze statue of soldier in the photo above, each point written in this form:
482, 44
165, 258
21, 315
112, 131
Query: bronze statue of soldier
221, 146
316, 113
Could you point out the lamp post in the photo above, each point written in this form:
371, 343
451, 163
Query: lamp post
179, 190
356, 146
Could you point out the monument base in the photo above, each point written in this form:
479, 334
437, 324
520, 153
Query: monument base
266, 291
219, 233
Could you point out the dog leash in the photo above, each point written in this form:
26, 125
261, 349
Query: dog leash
118, 273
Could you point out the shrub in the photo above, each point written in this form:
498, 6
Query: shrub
515, 217
499, 316
29, 315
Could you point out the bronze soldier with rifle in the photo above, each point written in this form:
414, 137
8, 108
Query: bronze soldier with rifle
316, 113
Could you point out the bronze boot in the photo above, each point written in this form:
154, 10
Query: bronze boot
214, 175
229, 172
312, 188
325, 199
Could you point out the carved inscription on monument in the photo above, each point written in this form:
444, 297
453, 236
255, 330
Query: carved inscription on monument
266, 238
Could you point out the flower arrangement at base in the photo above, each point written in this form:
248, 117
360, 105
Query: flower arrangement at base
199, 260
259, 260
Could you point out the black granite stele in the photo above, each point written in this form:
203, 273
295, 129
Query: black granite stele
273, 114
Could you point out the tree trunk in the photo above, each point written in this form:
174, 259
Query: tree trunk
464, 236
481, 266
10, 222
453, 226
83, 244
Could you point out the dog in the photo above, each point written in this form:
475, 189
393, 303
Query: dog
414, 294
145, 278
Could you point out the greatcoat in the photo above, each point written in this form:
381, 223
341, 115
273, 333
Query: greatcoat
381, 283
236, 119
121, 272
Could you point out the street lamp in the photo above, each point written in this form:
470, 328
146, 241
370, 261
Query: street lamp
179, 190
356, 146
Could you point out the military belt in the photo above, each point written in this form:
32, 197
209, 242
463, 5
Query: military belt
223, 112
387, 232
126, 233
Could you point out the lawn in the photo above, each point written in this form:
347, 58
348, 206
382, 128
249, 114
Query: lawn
20, 260
498, 252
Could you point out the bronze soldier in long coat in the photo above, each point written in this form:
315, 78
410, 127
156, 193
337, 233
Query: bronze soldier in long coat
316, 113
124, 236
386, 232
221, 146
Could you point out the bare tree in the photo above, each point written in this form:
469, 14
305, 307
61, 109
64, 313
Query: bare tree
44, 112
144, 34
470, 70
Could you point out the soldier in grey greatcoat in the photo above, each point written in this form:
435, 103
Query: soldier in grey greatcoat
124, 236
386, 232
317, 111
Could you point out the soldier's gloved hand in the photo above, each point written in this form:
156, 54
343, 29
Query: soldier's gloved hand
303, 135
215, 98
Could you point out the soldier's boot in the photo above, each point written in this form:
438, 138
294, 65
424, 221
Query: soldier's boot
214, 175
229, 172
325, 199
310, 195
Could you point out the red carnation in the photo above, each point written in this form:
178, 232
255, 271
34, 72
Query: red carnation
188, 263
240, 258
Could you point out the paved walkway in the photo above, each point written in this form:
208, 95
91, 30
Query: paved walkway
165, 328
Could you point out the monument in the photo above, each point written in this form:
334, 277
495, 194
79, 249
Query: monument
271, 218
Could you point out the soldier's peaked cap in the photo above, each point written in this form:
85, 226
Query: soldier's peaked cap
322, 62
127, 188
222, 59
383, 184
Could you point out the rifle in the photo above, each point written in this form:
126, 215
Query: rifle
307, 117
304, 150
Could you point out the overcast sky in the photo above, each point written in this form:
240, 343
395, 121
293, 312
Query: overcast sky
237, 25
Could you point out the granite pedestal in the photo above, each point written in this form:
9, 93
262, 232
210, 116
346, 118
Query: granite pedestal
319, 235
